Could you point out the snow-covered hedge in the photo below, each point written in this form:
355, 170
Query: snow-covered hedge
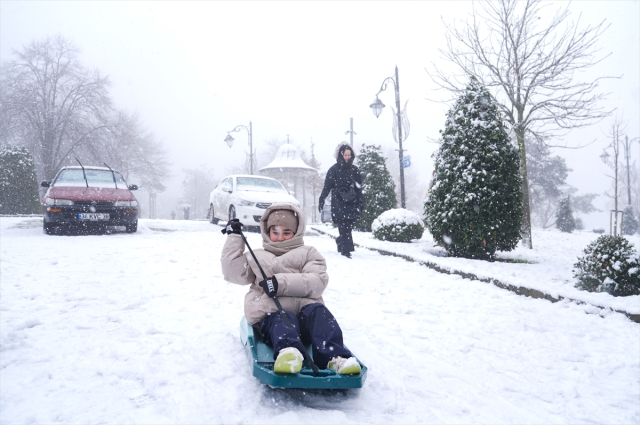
610, 264
397, 225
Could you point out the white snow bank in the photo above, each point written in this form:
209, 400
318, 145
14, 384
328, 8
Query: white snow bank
548, 269
396, 216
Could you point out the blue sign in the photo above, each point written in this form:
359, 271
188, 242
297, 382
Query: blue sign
406, 161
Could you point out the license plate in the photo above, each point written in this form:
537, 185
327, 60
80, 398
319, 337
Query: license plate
93, 216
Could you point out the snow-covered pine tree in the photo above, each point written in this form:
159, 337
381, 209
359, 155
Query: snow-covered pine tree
378, 188
564, 217
630, 223
474, 207
18, 182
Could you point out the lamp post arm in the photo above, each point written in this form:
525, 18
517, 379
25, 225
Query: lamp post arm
250, 131
383, 87
240, 127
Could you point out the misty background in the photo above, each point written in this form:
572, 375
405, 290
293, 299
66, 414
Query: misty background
299, 71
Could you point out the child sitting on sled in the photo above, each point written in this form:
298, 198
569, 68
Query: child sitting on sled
298, 274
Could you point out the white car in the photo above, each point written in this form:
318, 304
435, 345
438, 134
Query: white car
245, 197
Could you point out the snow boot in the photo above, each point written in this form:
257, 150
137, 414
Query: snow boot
344, 366
289, 361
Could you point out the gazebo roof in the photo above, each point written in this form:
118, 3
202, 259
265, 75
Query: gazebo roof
287, 160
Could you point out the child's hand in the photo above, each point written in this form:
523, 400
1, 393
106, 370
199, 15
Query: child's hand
269, 286
233, 226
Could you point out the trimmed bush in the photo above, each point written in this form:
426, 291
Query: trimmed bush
18, 183
564, 217
629, 224
378, 188
474, 207
611, 265
398, 225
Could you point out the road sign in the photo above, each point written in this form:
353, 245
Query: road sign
406, 161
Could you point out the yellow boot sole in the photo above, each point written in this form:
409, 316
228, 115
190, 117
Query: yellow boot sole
288, 363
351, 370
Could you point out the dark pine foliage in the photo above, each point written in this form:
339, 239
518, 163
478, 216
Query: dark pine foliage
629, 223
378, 188
564, 217
18, 182
474, 207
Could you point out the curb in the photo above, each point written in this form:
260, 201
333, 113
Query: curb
520, 290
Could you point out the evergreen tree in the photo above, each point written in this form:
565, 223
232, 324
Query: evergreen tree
378, 188
564, 217
18, 182
474, 207
630, 223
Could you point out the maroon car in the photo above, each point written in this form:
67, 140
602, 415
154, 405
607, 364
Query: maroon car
89, 198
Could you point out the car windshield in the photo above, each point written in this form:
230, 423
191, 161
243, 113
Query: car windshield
259, 185
95, 178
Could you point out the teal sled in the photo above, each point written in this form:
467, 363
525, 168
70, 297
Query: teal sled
261, 358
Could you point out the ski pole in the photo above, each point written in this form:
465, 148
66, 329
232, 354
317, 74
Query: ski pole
280, 309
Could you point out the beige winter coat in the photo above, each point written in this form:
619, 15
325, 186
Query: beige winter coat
300, 270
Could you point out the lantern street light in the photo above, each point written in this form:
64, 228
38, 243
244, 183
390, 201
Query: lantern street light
229, 139
605, 156
377, 107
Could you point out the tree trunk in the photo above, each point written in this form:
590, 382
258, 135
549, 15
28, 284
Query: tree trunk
526, 210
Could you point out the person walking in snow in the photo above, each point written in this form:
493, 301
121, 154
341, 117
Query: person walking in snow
298, 274
345, 184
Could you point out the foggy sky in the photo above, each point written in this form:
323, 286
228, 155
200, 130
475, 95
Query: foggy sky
195, 70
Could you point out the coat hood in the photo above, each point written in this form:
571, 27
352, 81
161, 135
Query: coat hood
340, 150
279, 248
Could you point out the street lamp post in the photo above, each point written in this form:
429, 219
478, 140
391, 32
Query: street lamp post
377, 106
627, 149
229, 139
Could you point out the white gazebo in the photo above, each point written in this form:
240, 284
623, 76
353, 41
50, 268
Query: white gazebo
288, 168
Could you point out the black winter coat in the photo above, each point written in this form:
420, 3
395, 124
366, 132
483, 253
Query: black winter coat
345, 184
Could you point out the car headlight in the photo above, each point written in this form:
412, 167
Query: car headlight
54, 201
125, 204
245, 203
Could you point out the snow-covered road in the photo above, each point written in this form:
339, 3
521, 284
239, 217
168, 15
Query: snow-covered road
141, 328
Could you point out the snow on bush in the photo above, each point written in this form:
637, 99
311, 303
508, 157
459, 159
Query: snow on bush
397, 225
610, 264
18, 182
474, 207
378, 188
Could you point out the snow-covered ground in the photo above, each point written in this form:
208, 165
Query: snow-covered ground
546, 268
141, 328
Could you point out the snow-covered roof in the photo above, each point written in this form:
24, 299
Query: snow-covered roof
288, 159
249, 175
87, 167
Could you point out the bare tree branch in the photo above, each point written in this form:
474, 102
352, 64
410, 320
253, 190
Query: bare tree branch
532, 66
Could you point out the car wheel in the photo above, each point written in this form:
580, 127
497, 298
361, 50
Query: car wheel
132, 228
232, 212
212, 217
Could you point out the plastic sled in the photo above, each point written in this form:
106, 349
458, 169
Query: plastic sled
261, 358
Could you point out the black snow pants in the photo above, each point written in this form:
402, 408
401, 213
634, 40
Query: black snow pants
345, 240
314, 324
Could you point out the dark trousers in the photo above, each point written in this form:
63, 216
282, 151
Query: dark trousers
314, 325
345, 241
